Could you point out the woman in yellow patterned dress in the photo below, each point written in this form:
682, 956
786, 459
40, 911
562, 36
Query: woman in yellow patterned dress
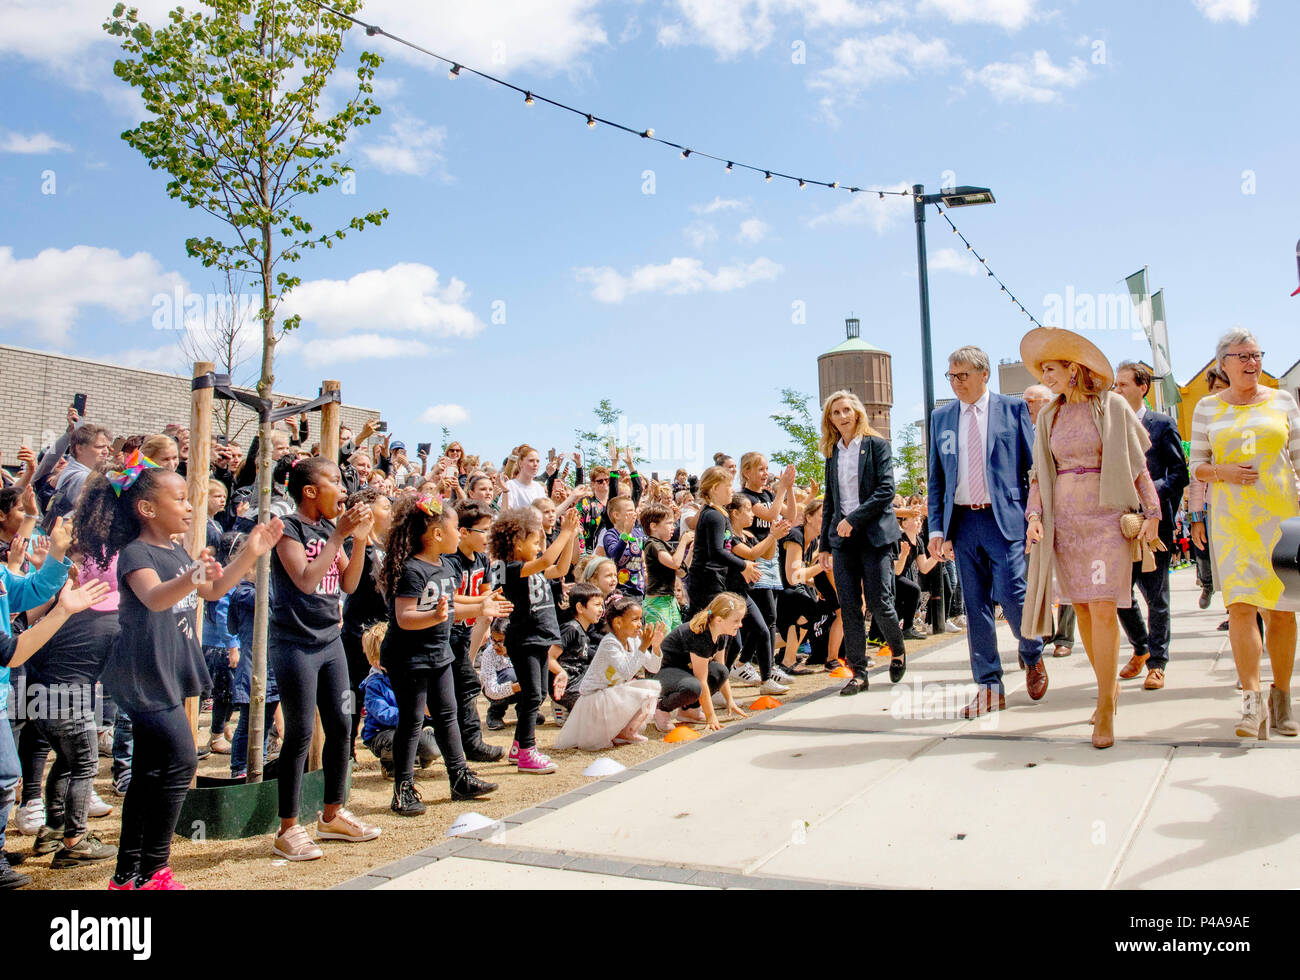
1246, 446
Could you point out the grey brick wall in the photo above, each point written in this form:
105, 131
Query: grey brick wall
36, 388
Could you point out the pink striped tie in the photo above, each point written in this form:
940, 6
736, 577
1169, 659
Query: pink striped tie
979, 493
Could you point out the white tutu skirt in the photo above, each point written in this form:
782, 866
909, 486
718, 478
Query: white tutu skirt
597, 718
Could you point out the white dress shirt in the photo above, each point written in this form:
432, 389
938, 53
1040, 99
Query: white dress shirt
961, 497
848, 476
1142, 412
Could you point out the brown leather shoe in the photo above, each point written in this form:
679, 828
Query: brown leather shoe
1155, 679
984, 703
1133, 667
1036, 681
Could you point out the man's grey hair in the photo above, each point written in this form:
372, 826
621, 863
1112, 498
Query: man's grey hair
970, 356
1233, 338
1039, 391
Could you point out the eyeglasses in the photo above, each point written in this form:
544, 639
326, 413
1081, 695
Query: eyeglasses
960, 377
599, 480
1256, 356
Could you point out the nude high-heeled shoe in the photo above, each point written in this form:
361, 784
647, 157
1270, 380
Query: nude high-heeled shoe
1093, 719
1102, 739
1279, 710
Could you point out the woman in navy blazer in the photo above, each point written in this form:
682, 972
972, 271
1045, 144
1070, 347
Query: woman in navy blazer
859, 530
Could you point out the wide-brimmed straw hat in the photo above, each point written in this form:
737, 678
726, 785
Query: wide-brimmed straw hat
1058, 344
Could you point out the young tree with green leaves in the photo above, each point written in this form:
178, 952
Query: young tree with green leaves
909, 462
233, 97
805, 432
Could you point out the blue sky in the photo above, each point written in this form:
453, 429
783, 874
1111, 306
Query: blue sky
1115, 135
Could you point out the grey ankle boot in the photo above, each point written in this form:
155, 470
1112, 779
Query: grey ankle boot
1279, 709
1254, 716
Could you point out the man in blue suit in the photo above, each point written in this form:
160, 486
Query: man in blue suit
1168, 468
981, 451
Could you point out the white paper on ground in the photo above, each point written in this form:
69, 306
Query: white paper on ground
468, 822
604, 766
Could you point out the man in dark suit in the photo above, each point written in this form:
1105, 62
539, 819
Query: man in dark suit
858, 531
981, 451
1168, 468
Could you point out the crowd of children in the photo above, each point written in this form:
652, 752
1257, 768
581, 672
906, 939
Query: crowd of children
402, 595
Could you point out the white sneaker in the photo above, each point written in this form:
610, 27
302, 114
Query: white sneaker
781, 677
30, 818
770, 686
953, 627
98, 808
718, 700
744, 675
960, 621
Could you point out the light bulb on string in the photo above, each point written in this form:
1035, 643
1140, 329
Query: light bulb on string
528, 98
767, 176
686, 154
835, 185
727, 169
801, 183
454, 73
648, 134
591, 120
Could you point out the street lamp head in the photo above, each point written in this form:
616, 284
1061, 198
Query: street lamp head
965, 197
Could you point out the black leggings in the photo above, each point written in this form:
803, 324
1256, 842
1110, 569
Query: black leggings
358, 671
417, 691
311, 679
530, 662
756, 634
465, 679
681, 689
162, 766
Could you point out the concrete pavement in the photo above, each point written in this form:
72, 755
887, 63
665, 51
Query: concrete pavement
892, 789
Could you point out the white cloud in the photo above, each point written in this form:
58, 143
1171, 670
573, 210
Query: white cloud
719, 204
411, 147
1036, 79
357, 346
1242, 11
36, 143
403, 297
678, 276
861, 62
752, 231
700, 234
734, 27
868, 208
448, 415
47, 294
950, 260
1011, 14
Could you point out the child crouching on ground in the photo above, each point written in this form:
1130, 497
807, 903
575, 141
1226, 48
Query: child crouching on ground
613, 707
381, 709
496, 675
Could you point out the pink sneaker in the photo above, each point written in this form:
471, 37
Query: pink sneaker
534, 763
513, 757
162, 881
113, 886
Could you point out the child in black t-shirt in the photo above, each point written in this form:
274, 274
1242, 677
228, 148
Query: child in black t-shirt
662, 565
310, 571
420, 581
475, 521
516, 547
133, 514
574, 652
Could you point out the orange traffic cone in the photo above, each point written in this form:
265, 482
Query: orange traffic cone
842, 671
765, 703
682, 733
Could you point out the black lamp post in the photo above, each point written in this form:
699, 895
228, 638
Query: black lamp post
955, 197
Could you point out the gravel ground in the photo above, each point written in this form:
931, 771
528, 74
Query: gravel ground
249, 863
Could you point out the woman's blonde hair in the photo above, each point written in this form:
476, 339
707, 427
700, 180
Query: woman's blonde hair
372, 641
830, 434
155, 445
725, 605
711, 477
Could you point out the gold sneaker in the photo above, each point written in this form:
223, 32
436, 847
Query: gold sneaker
345, 826
295, 844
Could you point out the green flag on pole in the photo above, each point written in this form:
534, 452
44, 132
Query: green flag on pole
1160, 351
1141, 293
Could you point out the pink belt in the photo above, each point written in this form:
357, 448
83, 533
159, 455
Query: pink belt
1080, 470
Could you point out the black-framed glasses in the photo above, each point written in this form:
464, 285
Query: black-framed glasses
960, 377
1248, 357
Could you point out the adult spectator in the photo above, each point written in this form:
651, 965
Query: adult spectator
1246, 446
981, 452
89, 449
1216, 381
1168, 469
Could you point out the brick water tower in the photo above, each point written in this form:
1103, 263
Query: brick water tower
862, 369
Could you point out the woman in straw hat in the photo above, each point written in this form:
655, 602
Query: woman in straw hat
1246, 446
1090, 464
